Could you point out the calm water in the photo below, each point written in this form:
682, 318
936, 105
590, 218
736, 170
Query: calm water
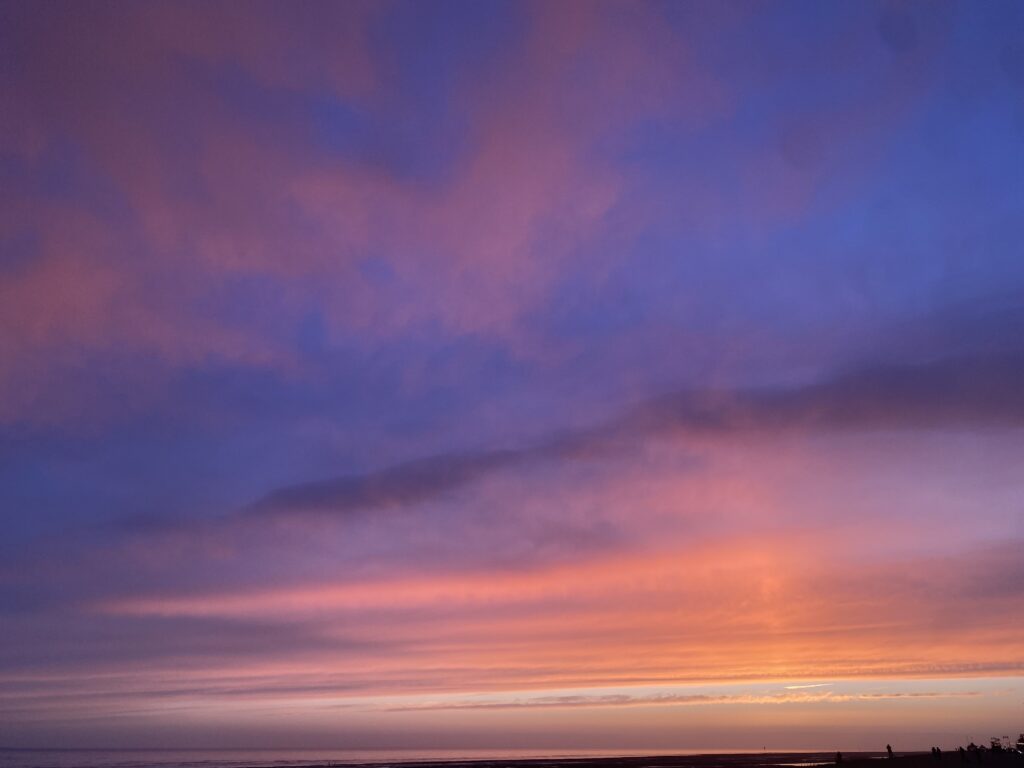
276, 758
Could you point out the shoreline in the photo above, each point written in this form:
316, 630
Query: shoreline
165, 758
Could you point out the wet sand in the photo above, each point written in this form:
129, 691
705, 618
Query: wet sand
949, 759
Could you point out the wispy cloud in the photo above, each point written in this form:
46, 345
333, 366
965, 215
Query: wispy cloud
625, 700
809, 685
945, 393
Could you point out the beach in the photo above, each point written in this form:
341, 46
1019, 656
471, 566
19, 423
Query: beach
198, 758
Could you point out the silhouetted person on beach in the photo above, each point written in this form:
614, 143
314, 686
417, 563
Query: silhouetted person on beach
888, 748
839, 758
963, 754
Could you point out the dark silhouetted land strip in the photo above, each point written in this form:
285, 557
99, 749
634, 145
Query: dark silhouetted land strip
737, 760
950, 759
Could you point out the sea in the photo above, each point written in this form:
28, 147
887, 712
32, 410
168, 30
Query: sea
324, 758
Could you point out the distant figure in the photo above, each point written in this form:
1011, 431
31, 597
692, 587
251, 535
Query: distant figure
963, 754
888, 748
938, 753
839, 758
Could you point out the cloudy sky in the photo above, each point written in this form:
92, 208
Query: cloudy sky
482, 374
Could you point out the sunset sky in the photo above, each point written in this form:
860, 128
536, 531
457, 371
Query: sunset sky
543, 375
